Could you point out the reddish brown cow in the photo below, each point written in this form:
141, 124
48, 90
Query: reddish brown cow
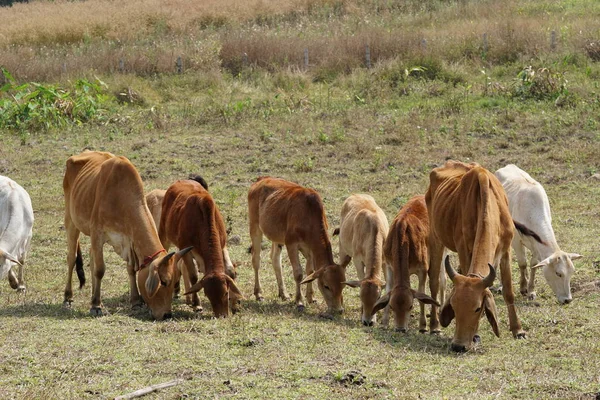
405, 251
468, 212
291, 215
190, 217
104, 199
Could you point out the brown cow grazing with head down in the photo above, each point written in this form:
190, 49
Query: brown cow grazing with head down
291, 215
104, 199
406, 254
190, 217
154, 198
363, 228
468, 212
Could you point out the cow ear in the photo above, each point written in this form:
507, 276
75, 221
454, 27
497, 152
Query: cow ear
353, 284
381, 303
313, 276
10, 257
574, 256
233, 287
152, 282
423, 298
344, 263
490, 312
196, 288
447, 314
542, 263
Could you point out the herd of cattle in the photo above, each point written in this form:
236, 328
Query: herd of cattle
466, 209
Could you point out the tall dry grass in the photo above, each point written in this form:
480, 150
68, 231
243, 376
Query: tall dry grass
51, 40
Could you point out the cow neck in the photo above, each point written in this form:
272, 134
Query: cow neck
321, 252
146, 242
210, 246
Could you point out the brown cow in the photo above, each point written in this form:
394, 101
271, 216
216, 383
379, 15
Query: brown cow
291, 215
406, 254
190, 217
104, 199
363, 228
468, 212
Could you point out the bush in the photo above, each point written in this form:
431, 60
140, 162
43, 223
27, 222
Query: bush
540, 84
36, 106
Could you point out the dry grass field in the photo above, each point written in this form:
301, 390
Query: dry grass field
338, 128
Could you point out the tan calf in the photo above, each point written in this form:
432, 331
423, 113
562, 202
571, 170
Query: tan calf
363, 228
406, 254
291, 215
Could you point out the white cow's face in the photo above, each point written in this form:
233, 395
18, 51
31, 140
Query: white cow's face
558, 269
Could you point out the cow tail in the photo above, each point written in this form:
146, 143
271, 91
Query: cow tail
528, 232
79, 267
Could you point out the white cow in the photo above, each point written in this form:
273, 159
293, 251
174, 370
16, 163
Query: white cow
16, 222
528, 204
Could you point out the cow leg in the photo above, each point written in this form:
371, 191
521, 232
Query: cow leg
135, 299
436, 252
389, 279
298, 275
229, 268
509, 297
256, 236
522, 261
531, 286
12, 279
72, 244
422, 275
276, 261
98, 268
310, 268
190, 278
359, 264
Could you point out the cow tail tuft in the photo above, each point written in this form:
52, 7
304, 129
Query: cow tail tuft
79, 267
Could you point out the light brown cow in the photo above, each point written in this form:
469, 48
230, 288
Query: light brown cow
154, 198
291, 215
468, 213
363, 229
104, 199
406, 254
190, 217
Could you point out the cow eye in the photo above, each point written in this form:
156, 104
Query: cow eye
478, 309
326, 287
559, 274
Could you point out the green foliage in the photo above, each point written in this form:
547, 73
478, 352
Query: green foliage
540, 84
32, 106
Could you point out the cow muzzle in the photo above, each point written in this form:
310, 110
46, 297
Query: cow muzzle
458, 348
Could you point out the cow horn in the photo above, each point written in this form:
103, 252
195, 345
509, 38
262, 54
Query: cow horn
9, 257
449, 270
489, 280
168, 256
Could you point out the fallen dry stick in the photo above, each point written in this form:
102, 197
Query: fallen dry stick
149, 389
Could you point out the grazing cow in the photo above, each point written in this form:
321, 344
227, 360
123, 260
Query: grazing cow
406, 254
190, 217
291, 215
16, 223
155, 197
104, 199
528, 204
468, 214
363, 228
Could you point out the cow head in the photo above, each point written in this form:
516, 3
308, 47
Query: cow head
469, 299
156, 283
370, 289
222, 292
401, 302
330, 280
558, 269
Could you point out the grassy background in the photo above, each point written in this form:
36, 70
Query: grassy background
340, 129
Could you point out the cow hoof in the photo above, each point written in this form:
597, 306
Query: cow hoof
521, 335
496, 289
300, 307
422, 330
326, 315
21, 289
96, 312
400, 330
523, 292
284, 297
198, 309
476, 339
435, 332
531, 296
259, 297
67, 304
